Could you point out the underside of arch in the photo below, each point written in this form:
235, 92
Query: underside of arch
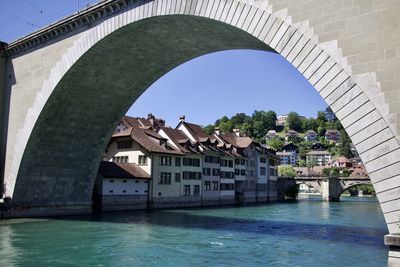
62, 155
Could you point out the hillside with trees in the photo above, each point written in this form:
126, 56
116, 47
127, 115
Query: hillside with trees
260, 122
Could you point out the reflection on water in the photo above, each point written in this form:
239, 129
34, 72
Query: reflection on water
7, 251
301, 233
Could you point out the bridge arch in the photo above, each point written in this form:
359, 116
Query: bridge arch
52, 159
353, 184
316, 185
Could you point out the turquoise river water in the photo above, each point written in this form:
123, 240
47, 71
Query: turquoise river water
300, 233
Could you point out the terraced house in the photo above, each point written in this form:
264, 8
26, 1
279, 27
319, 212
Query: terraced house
141, 147
218, 164
190, 164
182, 166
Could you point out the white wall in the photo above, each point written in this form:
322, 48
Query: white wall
130, 186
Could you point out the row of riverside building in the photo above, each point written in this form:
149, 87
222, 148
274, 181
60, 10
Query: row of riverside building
148, 165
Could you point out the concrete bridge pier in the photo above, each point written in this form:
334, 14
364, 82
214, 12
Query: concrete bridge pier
331, 189
3, 115
393, 241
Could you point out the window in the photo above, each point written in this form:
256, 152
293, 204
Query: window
243, 172
186, 191
123, 191
227, 175
227, 163
211, 159
207, 186
196, 190
272, 162
111, 181
196, 162
191, 162
224, 162
191, 175
177, 162
122, 159
272, 172
242, 162
237, 172
216, 172
252, 173
215, 186
227, 187
165, 178
165, 161
196, 175
187, 162
252, 163
237, 161
111, 191
207, 171
124, 181
263, 160
124, 144
263, 171
177, 177
187, 175
142, 160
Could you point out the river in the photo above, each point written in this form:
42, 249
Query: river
307, 232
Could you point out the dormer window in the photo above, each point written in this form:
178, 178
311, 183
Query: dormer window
142, 160
124, 144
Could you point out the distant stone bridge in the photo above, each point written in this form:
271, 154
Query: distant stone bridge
329, 187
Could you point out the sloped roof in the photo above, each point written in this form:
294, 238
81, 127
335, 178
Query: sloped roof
179, 139
153, 142
122, 170
197, 131
233, 139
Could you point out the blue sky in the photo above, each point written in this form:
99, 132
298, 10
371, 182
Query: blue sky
204, 89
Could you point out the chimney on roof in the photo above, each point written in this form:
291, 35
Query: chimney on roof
161, 122
150, 116
217, 131
182, 118
237, 132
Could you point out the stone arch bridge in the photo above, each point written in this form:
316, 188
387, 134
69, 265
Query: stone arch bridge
330, 188
64, 87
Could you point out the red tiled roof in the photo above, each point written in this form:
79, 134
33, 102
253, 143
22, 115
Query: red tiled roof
122, 170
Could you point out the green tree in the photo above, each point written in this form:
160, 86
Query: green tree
345, 145
209, 129
262, 122
294, 122
329, 115
310, 124
239, 119
246, 129
286, 171
276, 143
226, 126
321, 119
302, 163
